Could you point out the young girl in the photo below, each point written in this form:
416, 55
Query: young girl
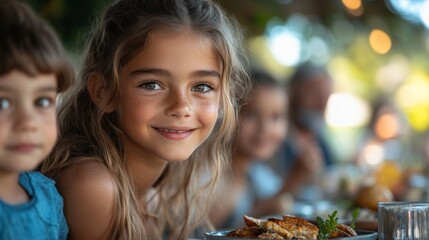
33, 69
253, 188
158, 86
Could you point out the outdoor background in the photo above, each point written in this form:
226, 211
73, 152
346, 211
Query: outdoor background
374, 49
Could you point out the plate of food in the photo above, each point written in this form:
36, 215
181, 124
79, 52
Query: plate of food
223, 235
291, 227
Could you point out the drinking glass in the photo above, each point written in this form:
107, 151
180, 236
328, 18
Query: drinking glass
403, 220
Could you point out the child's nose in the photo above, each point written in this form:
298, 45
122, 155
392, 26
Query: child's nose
264, 125
179, 105
25, 118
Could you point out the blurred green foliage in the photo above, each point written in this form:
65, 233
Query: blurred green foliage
70, 18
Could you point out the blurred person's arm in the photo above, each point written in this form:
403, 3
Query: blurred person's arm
224, 202
307, 164
280, 203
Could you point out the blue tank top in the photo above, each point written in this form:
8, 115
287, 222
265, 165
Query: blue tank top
40, 218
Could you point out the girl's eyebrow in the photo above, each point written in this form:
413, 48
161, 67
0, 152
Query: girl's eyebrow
41, 89
162, 72
206, 73
48, 89
156, 71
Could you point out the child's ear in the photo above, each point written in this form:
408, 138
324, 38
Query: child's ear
99, 93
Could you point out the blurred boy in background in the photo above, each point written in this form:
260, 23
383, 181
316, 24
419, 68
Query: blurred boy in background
251, 188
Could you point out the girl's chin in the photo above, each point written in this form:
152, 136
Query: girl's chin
176, 160
177, 157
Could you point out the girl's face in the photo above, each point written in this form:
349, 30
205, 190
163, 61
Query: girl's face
28, 127
262, 123
170, 96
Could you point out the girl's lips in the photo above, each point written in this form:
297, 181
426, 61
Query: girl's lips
23, 147
176, 133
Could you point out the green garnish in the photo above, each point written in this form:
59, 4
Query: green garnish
355, 215
329, 225
326, 227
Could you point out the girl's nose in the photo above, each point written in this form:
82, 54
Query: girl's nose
264, 125
179, 105
25, 118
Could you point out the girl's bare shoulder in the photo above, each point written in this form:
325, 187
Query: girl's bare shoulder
88, 191
88, 172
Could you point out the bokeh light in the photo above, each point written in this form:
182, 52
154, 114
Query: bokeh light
415, 11
387, 126
391, 75
388, 174
319, 50
424, 14
358, 12
380, 41
413, 98
352, 4
284, 45
373, 154
346, 110
408, 9
262, 56
354, 7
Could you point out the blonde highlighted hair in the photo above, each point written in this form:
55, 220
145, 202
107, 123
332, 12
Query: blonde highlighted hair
86, 130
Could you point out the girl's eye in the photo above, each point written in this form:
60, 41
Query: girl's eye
202, 88
151, 86
278, 117
4, 104
44, 102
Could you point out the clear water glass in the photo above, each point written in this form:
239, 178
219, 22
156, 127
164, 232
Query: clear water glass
403, 220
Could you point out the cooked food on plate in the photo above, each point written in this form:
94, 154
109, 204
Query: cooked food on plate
291, 227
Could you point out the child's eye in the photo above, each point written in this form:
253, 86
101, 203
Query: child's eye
4, 104
150, 85
202, 87
279, 117
44, 102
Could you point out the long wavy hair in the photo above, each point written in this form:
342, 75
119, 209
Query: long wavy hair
181, 196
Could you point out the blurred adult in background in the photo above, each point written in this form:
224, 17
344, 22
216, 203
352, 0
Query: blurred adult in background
305, 152
385, 129
381, 155
252, 186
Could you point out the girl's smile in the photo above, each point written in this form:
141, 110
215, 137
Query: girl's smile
175, 133
22, 147
170, 96
145, 133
